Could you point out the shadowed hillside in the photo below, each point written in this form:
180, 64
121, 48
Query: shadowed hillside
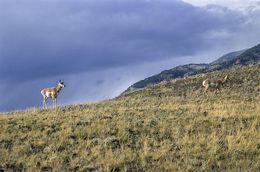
250, 56
243, 57
177, 72
169, 126
227, 57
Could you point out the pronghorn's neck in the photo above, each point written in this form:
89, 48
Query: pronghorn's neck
58, 88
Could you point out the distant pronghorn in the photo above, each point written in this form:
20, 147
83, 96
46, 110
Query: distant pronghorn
52, 93
214, 83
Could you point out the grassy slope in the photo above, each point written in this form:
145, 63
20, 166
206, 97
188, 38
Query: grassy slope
169, 126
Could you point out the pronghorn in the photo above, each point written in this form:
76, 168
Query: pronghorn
52, 93
214, 83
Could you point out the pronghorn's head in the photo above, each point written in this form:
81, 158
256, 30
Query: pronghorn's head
61, 83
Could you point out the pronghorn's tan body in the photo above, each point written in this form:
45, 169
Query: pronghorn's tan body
214, 83
52, 93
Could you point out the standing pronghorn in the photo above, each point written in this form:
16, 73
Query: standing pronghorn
52, 93
214, 83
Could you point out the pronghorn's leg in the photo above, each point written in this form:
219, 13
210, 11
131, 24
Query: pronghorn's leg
44, 103
205, 89
217, 89
53, 99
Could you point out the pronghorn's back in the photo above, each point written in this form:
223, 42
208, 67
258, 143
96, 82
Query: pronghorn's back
45, 90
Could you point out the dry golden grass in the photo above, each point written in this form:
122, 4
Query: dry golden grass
170, 126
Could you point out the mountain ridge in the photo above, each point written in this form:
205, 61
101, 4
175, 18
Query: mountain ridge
242, 57
227, 57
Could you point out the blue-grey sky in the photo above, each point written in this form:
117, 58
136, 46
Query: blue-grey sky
101, 47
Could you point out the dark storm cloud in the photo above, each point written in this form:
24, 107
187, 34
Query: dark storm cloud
39, 39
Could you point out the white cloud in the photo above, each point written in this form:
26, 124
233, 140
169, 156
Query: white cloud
231, 4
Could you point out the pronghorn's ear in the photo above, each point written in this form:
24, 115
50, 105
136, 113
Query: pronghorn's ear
227, 78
